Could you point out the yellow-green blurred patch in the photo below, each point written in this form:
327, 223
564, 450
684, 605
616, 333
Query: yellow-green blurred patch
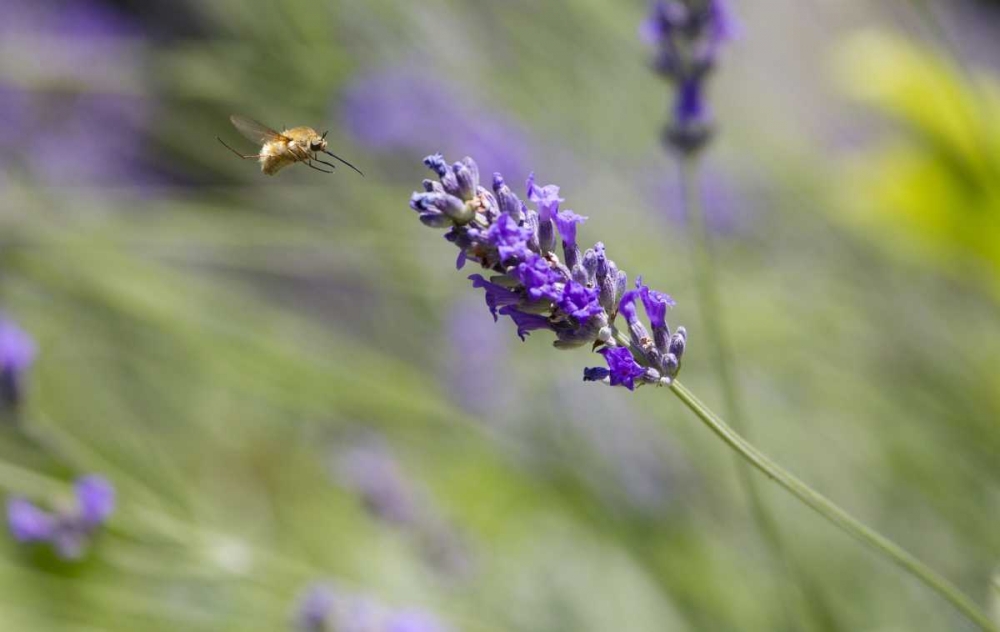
932, 191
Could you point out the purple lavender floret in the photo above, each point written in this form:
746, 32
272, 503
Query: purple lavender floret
623, 368
69, 529
687, 35
578, 299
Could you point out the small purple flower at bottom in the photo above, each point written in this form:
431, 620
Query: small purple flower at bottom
67, 530
413, 621
623, 369
323, 608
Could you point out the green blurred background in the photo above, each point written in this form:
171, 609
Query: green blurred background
242, 356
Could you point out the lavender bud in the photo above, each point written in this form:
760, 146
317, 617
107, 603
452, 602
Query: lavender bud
546, 235
590, 264
531, 222
608, 297
661, 338
508, 202
621, 281
671, 365
691, 127
466, 181
473, 168
437, 164
677, 344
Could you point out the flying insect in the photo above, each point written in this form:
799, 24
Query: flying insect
280, 149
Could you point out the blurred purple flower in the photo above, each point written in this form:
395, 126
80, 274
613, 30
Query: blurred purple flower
368, 469
323, 608
687, 36
727, 202
17, 353
630, 465
27, 522
315, 606
86, 129
477, 352
96, 500
413, 621
404, 109
68, 529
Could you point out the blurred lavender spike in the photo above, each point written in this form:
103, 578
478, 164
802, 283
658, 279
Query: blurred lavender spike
405, 109
70, 529
90, 129
687, 35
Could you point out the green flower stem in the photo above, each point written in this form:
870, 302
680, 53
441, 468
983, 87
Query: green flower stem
833, 513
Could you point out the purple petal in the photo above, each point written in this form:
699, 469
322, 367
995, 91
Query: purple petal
27, 522
623, 367
526, 322
496, 295
566, 222
95, 499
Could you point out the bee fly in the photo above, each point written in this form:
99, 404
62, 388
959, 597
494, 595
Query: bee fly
280, 149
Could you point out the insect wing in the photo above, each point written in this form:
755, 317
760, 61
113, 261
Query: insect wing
257, 132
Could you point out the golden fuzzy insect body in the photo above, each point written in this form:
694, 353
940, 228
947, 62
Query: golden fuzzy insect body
280, 149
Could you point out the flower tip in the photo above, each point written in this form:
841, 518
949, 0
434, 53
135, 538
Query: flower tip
437, 164
96, 499
595, 374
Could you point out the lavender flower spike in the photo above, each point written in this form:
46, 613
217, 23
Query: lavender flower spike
578, 300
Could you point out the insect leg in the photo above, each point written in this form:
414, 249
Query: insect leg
323, 162
302, 155
312, 166
245, 157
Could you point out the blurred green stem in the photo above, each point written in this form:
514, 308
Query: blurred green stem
833, 513
718, 342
